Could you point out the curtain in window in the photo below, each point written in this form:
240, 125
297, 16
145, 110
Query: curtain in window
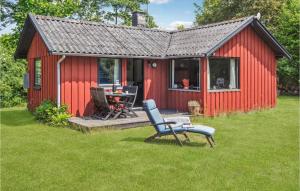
232, 83
116, 71
109, 71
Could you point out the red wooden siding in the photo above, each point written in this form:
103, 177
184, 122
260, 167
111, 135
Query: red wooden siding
257, 76
78, 75
156, 82
48, 88
124, 71
178, 100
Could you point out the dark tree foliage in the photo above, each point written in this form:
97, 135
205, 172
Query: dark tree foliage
11, 74
281, 17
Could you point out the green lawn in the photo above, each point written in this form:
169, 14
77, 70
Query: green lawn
255, 151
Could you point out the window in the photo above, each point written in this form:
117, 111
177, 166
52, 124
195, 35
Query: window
109, 71
223, 73
37, 72
184, 74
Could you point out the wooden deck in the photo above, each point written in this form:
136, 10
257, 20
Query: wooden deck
88, 124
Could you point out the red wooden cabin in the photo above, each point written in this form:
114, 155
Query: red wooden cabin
227, 67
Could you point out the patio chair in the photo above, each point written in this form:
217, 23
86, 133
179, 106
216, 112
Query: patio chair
130, 101
169, 126
105, 110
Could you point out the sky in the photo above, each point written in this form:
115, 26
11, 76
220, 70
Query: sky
167, 13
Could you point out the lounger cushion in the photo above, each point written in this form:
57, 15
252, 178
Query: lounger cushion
205, 130
149, 104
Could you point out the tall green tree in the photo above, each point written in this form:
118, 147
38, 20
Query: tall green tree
19, 10
11, 75
92, 10
122, 9
281, 17
220, 10
287, 32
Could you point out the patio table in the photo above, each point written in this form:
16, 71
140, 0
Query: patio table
113, 101
119, 94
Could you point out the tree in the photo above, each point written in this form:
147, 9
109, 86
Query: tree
19, 10
91, 10
287, 32
11, 75
220, 10
281, 17
122, 9
180, 27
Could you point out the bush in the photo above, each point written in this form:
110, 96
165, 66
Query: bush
50, 114
12, 92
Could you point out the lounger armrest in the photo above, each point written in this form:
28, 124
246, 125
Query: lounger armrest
165, 123
170, 125
179, 119
174, 125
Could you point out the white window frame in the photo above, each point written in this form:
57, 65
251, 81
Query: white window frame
172, 72
35, 84
237, 75
109, 85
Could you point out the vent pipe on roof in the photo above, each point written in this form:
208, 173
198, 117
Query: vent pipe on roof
139, 19
58, 78
258, 16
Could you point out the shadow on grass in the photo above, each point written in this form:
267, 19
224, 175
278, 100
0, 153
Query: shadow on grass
17, 117
164, 141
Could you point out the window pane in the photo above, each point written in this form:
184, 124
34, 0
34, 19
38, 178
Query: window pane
184, 74
109, 71
37, 72
223, 73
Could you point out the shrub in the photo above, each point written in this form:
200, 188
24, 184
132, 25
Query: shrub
50, 114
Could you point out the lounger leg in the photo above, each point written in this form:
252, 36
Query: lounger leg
212, 139
208, 140
151, 137
186, 136
177, 139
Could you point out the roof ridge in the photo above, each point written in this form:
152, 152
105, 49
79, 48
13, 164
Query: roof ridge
70, 20
214, 24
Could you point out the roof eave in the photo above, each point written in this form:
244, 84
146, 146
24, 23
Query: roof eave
273, 39
43, 36
32, 19
257, 23
126, 56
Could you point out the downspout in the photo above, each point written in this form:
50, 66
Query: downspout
58, 78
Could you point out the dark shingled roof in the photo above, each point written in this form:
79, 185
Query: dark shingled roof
85, 38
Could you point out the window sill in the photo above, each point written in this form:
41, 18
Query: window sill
183, 90
224, 90
37, 87
109, 86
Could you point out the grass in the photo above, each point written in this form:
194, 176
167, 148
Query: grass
255, 151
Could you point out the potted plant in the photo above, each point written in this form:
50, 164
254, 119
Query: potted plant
194, 107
